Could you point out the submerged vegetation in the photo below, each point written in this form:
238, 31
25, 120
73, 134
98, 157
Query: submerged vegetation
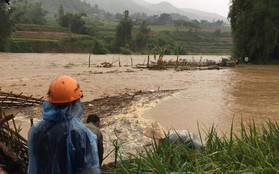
254, 149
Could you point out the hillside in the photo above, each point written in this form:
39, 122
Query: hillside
165, 7
166, 31
204, 42
151, 9
41, 38
199, 15
119, 6
70, 6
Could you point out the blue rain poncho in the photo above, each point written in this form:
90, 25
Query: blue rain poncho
61, 144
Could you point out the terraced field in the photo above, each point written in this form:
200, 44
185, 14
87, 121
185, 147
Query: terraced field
204, 42
50, 38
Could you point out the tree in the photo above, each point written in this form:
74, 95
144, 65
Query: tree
124, 32
61, 10
255, 29
99, 48
74, 22
6, 26
78, 24
60, 15
164, 19
36, 14
161, 55
95, 27
31, 13
178, 51
179, 23
143, 35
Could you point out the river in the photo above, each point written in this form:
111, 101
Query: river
249, 92
209, 96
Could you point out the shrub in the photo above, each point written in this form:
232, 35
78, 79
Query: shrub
126, 51
99, 48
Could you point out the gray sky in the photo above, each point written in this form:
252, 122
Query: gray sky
220, 7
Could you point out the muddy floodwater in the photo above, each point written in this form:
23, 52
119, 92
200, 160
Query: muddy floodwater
248, 92
208, 96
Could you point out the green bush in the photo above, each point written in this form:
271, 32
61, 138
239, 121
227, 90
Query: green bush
99, 48
126, 51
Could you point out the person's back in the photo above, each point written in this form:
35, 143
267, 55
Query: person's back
51, 143
44, 163
61, 143
93, 124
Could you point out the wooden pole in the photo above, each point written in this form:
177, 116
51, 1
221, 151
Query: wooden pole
131, 61
119, 63
6, 119
176, 64
89, 60
148, 61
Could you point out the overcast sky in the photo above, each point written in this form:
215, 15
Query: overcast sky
220, 7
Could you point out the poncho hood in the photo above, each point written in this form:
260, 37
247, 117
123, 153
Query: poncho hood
60, 113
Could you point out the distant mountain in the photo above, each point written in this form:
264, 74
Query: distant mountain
119, 6
134, 6
70, 6
199, 15
165, 7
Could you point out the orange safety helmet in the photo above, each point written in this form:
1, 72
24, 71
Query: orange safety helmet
64, 89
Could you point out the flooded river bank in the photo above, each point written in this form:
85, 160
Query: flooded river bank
208, 96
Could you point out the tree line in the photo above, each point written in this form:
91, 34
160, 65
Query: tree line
255, 30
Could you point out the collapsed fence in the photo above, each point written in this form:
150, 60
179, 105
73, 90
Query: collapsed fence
13, 147
10, 100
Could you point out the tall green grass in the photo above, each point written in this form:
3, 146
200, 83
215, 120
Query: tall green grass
253, 149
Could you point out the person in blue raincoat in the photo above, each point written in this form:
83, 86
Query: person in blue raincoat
61, 143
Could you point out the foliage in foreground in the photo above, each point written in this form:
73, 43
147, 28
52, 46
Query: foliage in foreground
6, 26
253, 150
255, 29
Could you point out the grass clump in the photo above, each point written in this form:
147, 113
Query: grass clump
70, 65
253, 149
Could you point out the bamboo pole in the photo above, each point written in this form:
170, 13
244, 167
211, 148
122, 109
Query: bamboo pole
6, 119
148, 61
119, 63
89, 60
